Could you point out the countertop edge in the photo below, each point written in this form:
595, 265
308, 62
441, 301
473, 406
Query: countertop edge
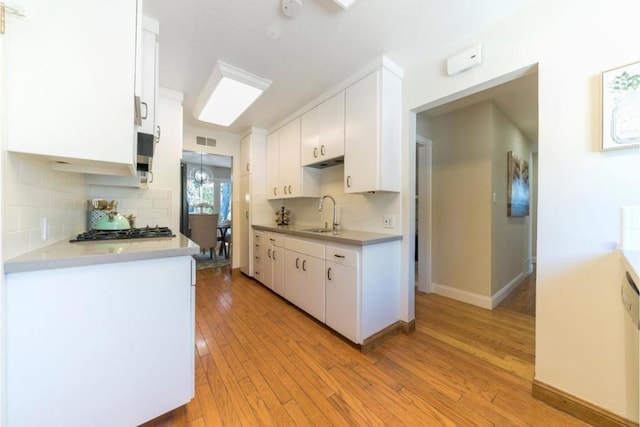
35, 261
329, 237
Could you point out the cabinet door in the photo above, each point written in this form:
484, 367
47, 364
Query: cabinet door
273, 159
148, 82
245, 151
289, 160
292, 287
312, 293
277, 273
70, 82
266, 264
331, 127
309, 137
362, 135
245, 226
342, 299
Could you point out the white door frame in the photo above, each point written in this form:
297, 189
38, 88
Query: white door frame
424, 158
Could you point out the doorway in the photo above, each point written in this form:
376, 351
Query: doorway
460, 246
206, 189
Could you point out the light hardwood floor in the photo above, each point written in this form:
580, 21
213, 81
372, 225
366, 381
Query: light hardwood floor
261, 361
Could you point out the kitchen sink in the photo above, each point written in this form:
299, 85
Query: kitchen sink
319, 230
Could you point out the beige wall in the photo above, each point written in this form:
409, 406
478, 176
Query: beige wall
580, 326
510, 236
461, 199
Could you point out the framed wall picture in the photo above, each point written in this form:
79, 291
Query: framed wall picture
517, 185
621, 107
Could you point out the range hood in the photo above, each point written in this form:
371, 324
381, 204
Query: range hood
327, 163
146, 145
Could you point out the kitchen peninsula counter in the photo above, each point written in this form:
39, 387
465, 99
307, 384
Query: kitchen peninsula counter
64, 254
349, 237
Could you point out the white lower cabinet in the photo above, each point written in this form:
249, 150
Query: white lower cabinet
258, 265
341, 288
99, 345
304, 275
353, 289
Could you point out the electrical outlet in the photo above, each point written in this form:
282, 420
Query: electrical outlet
44, 228
388, 221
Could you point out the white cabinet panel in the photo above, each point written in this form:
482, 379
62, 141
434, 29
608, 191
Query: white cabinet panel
70, 82
285, 177
75, 344
322, 131
342, 299
373, 108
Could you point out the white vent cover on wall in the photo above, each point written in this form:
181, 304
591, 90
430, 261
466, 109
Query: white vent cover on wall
208, 142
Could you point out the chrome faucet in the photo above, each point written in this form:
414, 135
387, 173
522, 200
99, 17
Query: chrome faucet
335, 215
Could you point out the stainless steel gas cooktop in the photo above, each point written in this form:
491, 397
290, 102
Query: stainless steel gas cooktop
131, 233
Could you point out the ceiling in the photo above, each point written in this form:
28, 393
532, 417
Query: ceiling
193, 157
304, 56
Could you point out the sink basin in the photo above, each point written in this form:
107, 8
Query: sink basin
319, 230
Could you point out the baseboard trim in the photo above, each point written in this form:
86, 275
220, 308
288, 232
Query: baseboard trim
577, 407
497, 298
408, 327
378, 338
463, 296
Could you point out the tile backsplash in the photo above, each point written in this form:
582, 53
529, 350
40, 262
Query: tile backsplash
150, 207
34, 192
355, 211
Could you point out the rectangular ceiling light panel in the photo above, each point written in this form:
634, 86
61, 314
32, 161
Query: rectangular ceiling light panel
227, 94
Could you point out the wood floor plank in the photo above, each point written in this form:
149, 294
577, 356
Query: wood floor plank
261, 361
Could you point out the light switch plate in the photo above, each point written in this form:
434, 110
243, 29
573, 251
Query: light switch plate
388, 221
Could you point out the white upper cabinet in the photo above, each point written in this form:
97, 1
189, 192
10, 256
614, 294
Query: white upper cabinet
373, 108
286, 178
322, 132
147, 76
70, 83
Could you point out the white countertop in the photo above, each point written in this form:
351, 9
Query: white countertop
632, 262
349, 237
64, 254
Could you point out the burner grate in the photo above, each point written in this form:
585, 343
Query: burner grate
132, 233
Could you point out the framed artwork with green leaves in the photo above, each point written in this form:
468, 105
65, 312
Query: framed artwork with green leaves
621, 107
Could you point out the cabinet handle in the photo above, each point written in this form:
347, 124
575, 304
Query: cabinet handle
146, 110
338, 256
275, 191
257, 257
315, 152
329, 273
289, 189
247, 167
348, 181
284, 189
322, 151
272, 240
273, 254
269, 253
297, 262
246, 214
257, 273
159, 132
304, 265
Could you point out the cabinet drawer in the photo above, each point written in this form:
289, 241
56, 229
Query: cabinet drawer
274, 239
304, 247
341, 256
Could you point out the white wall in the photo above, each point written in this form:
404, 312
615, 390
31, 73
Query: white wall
228, 144
579, 319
